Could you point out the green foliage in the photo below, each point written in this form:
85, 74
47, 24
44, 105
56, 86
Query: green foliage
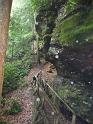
70, 5
21, 25
10, 106
18, 57
13, 72
14, 109
11, 77
78, 27
38, 4
22, 49
3, 122
19, 67
2, 101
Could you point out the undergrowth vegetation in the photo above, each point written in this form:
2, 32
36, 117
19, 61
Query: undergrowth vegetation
14, 72
3, 122
14, 108
10, 107
17, 67
38, 4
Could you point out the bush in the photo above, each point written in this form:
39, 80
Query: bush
15, 108
12, 74
3, 122
2, 102
37, 4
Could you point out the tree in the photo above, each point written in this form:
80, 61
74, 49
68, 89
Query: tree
5, 8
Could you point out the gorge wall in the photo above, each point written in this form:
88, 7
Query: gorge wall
66, 28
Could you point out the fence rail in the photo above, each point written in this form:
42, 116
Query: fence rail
47, 98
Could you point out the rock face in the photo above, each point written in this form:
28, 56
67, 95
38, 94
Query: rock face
74, 63
66, 28
45, 22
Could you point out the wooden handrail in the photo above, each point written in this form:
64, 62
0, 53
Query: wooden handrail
44, 83
61, 99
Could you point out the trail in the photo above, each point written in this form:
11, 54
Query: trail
25, 96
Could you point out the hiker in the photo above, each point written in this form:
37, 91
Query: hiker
34, 80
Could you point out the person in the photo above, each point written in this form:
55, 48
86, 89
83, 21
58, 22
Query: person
34, 80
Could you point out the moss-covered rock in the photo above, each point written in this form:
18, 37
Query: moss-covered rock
76, 29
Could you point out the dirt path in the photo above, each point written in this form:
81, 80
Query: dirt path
25, 97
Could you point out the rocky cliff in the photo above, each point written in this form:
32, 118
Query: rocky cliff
66, 28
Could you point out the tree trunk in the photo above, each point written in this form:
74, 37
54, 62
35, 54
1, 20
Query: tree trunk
5, 8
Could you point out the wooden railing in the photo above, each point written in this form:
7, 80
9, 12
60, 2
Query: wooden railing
51, 107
